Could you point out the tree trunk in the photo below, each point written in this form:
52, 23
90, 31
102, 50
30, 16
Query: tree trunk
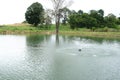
57, 27
57, 23
57, 40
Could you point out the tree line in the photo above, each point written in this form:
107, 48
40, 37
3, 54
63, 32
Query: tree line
93, 19
37, 15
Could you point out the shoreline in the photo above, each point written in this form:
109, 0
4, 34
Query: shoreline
26, 29
71, 33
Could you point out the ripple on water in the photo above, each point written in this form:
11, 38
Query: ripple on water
87, 52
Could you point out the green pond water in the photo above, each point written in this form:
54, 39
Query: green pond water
51, 57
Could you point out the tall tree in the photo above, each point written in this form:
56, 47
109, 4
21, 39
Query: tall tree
79, 21
34, 14
110, 20
101, 12
48, 18
99, 16
65, 13
118, 21
58, 5
80, 12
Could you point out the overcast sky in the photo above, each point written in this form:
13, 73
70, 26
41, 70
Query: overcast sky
13, 11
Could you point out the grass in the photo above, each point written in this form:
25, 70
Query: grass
22, 29
93, 34
28, 29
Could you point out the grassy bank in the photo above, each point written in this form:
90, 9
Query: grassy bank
93, 34
22, 29
65, 30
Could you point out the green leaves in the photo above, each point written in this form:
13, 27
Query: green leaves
93, 19
34, 14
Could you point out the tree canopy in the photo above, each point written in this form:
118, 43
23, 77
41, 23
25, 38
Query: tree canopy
58, 5
34, 14
95, 18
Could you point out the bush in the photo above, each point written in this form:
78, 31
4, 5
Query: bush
105, 29
93, 29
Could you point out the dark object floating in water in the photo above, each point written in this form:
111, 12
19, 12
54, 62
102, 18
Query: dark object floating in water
79, 50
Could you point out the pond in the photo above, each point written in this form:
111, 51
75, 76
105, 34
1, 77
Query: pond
51, 57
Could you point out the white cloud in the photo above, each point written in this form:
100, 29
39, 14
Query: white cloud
13, 11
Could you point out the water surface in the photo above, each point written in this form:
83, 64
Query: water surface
50, 57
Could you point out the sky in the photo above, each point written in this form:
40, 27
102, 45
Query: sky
13, 11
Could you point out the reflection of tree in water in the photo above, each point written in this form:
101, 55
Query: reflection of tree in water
92, 39
37, 44
37, 56
101, 40
42, 62
36, 40
57, 39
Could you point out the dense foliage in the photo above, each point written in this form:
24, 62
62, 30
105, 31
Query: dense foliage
34, 14
93, 19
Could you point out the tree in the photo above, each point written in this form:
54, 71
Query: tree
118, 21
110, 20
34, 14
74, 20
101, 18
48, 18
73, 12
80, 12
65, 13
98, 15
88, 21
83, 20
58, 5
101, 12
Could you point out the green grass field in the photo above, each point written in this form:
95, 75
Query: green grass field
65, 30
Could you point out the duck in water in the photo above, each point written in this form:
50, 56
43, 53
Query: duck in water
79, 50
